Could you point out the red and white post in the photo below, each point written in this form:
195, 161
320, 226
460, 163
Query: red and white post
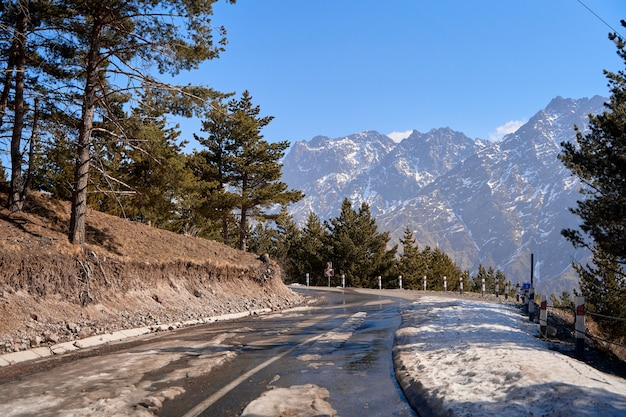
580, 326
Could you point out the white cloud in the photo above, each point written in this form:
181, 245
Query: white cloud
509, 127
399, 136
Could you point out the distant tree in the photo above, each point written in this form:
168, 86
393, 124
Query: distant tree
311, 250
411, 264
564, 301
442, 265
278, 240
359, 249
500, 281
477, 280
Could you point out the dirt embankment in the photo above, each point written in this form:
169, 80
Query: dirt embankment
126, 275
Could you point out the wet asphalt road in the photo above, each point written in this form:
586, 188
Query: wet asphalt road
355, 366
341, 345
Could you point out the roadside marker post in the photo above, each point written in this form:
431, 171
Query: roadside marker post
461, 285
329, 272
307, 279
424, 282
445, 284
483, 287
343, 281
380, 283
543, 316
580, 327
400, 281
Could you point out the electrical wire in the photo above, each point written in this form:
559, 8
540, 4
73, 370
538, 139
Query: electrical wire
601, 19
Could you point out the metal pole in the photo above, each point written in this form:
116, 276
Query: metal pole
531, 295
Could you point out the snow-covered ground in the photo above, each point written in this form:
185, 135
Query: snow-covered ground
471, 358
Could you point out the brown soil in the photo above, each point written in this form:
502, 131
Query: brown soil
126, 275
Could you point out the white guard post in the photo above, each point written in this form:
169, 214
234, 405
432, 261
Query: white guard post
580, 327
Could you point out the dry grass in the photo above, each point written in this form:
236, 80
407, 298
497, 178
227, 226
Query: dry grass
125, 273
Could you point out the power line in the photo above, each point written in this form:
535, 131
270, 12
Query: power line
599, 18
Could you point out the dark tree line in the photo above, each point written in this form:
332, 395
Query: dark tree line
361, 253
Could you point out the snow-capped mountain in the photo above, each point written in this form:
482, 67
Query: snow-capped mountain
481, 202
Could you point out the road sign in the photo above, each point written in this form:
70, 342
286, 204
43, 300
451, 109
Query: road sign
329, 271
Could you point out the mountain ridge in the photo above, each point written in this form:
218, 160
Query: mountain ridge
490, 203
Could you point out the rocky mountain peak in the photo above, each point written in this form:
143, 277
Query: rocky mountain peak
481, 202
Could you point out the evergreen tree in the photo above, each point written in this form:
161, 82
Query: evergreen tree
477, 280
500, 280
360, 251
113, 36
411, 264
278, 241
213, 167
311, 251
604, 287
442, 265
253, 164
598, 159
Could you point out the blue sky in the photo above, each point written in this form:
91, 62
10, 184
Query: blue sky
337, 67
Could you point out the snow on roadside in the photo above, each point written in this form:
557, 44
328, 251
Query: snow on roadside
471, 358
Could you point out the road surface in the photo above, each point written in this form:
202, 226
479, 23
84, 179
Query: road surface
332, 358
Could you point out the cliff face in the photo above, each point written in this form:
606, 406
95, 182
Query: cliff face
126, 275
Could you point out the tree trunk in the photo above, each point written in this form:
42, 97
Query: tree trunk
16, 193
243, 230
83, 154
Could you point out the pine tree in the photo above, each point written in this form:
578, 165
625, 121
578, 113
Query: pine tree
104, 37
604, 287
360, 251
477, 280
311, 251
598, 159
411, 264
254, 166
279, 240
442, 265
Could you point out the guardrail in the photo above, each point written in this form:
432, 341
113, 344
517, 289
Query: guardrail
579, 312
